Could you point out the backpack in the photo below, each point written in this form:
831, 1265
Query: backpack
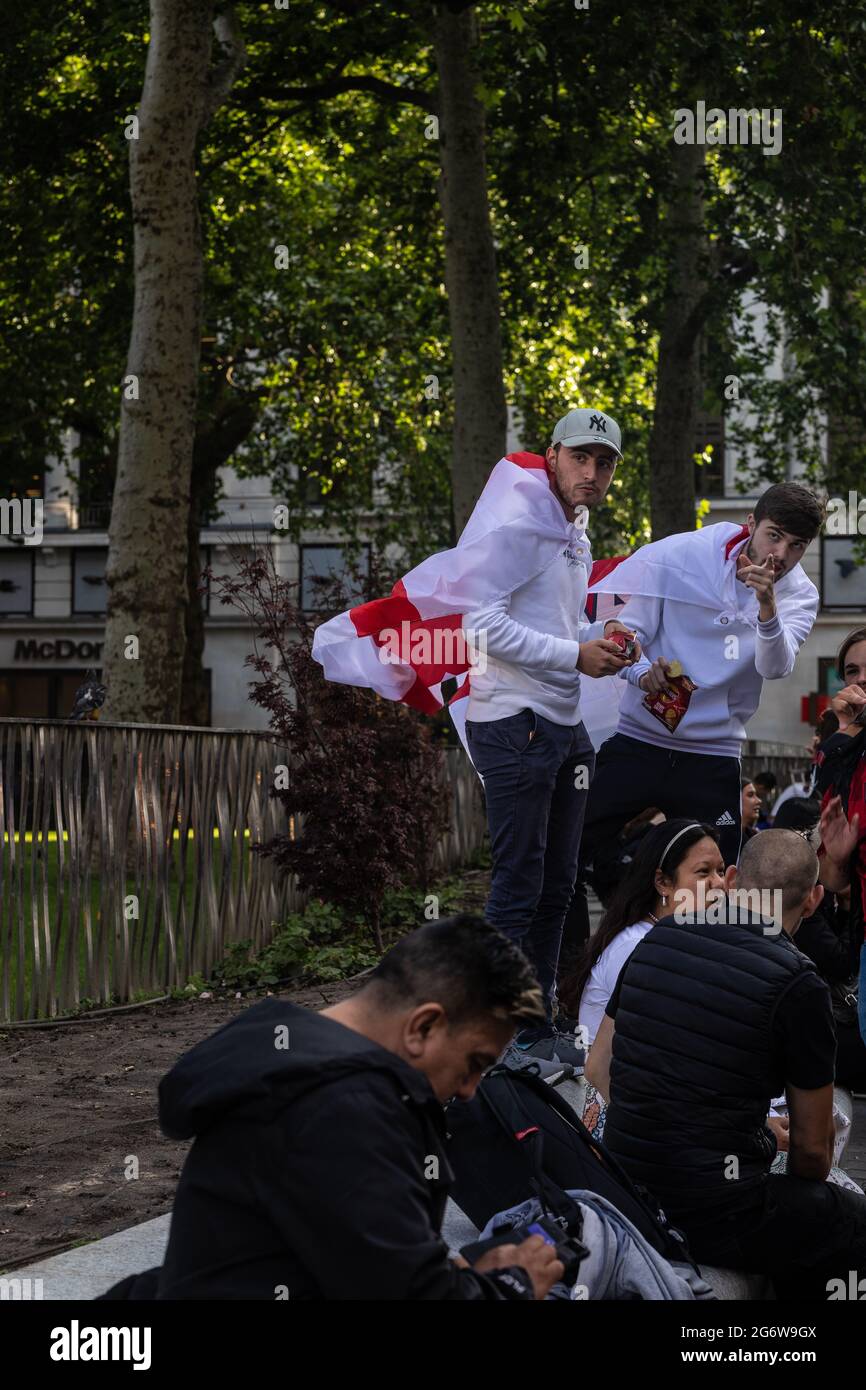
517, 1137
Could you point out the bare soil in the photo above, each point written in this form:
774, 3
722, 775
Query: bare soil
78, 1099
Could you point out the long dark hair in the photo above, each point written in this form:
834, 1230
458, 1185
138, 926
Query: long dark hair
634, 897
800, 813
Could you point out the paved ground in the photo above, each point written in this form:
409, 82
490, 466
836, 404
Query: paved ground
91, 1270
854, 1161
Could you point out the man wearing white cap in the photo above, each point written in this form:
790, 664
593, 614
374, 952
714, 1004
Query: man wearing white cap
524, 728
501, 615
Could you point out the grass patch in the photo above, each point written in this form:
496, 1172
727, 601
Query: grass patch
91, 942
321, 944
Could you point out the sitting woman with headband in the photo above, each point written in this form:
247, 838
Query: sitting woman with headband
677, 865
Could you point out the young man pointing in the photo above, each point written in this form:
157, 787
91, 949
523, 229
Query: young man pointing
732, 605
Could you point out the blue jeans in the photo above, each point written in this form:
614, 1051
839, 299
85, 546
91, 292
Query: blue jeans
536, 775
861, 994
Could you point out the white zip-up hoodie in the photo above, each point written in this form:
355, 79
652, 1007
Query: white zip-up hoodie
687, 604
533, 638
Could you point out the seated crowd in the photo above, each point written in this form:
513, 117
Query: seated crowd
714, 1020
719, 1005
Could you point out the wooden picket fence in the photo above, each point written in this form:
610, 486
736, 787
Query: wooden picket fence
127, 861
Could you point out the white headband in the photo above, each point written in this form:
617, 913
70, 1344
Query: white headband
694, 823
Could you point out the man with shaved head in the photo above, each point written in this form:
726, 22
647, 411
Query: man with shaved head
778, 869
716, 1012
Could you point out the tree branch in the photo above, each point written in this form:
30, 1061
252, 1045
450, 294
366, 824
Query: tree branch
734, 269
335, 86
222, 78
215, 445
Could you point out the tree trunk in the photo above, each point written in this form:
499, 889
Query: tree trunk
147, 557
480, 414
194, 686
679, 388
214, 446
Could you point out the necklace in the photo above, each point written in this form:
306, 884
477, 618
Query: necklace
652, 917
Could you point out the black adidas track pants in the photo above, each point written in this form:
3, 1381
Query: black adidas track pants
630, 776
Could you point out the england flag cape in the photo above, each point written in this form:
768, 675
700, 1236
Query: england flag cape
516, 530
406, 646
690, 567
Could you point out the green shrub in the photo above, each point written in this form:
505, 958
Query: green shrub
323, 943
364, 805
313, 945
404, 908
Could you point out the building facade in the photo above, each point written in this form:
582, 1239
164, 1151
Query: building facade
789, 708
53, 596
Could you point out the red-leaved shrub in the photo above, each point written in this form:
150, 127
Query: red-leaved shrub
365, 793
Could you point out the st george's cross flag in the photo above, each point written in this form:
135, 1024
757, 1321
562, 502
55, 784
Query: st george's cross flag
408, 645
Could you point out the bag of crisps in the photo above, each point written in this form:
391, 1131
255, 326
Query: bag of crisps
626, 641
669, 708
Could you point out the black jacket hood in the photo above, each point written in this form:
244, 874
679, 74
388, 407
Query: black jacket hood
252, 1069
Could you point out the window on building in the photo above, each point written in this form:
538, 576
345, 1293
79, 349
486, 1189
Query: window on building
710, 436
25, 695
62, 690
829, 682
16, 580
324, 567
843, 574
23, 480
226, 561
89, 590
95, 491
40, 694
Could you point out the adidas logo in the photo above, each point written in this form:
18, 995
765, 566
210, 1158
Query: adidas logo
726, 819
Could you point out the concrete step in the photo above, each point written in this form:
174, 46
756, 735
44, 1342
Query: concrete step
89, 1270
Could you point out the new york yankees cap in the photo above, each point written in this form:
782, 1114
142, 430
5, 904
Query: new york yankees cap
587, 427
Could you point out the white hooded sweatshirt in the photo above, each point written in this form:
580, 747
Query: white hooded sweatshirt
686, 603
